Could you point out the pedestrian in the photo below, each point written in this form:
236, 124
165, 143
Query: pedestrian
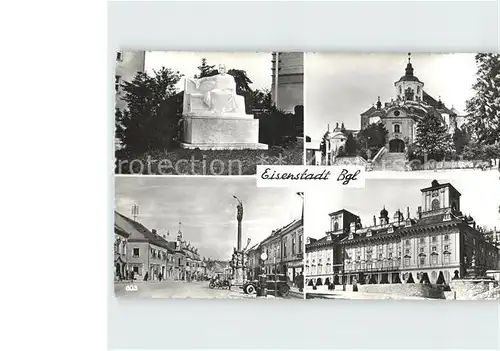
160, 277
301, 282
146, 276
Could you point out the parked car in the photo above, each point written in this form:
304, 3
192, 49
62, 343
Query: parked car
251, 287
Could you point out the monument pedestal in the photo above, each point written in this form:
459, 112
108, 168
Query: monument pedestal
238, 276
221, 132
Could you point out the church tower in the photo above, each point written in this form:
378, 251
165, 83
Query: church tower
179, 237
409, 87
440, 196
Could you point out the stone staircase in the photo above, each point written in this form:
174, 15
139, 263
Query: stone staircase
390, 161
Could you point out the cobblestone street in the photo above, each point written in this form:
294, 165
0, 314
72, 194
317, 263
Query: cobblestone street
182, 289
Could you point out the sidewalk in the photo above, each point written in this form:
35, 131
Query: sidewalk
358, 295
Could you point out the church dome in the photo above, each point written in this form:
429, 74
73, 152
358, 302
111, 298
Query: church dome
384, 212
408, 77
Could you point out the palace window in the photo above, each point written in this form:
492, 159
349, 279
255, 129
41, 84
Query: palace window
379, 256
446, 247
397, 128
435, 204
390, 254
434, 248
407, 242
300, 243
407, 261
407, 251
136, 252
446, 237
136, 270
447, 258
434, 259
422, 260
422, 240
118, 80
422, 249
434, 239
293, 245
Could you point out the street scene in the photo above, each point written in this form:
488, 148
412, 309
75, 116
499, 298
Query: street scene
420, 240
404, 112
231, 240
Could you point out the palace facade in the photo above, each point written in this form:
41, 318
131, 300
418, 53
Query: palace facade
438, 245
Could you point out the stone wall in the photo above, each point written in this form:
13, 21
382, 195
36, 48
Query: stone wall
350, 161
418, 290
416, 165
466, 289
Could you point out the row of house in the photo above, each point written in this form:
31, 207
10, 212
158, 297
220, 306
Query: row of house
284, 251
138, 250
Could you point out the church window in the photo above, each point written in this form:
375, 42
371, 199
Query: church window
435, 204
397, 128
335, 226
418, 90
409, 94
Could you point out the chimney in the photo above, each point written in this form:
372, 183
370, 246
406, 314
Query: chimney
374, 220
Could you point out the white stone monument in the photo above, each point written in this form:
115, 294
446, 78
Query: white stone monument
214, 116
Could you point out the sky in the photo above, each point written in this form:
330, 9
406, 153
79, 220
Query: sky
480, 198
207, 210
339, 87
256, 64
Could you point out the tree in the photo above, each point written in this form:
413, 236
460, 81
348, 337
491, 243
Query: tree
484, 108
432, 138
372, 138
351, 145
261, 99
144, 125
374, 135
460, 139
206, 70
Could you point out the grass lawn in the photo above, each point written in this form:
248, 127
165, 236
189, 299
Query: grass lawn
208, 162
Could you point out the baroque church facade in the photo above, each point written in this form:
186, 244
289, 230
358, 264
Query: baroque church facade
401, 115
